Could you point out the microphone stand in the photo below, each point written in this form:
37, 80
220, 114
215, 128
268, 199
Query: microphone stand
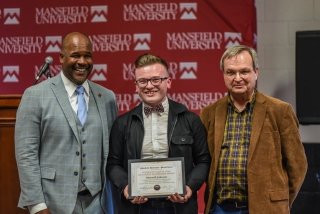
47, 74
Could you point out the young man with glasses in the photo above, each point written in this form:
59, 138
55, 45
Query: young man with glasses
158, 128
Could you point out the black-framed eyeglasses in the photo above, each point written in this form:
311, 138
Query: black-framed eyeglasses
155, 81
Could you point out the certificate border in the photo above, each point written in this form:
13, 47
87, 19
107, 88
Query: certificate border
130, 161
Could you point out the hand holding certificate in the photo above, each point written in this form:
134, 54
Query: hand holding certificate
154, 178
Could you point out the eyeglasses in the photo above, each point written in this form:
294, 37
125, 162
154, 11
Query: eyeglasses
155, 81
233, 74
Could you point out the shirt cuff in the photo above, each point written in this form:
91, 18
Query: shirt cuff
37, 207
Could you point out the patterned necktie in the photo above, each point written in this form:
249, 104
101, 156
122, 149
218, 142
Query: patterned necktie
82, 106
148, 110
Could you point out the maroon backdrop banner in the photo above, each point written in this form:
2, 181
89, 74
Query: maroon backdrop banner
190, 35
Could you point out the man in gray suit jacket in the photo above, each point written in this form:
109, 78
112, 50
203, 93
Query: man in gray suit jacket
61, 161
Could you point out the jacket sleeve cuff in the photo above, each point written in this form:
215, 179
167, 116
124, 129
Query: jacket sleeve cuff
37, 207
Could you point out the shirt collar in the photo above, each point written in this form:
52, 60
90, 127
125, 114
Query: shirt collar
165, 105
249, 103
71, 87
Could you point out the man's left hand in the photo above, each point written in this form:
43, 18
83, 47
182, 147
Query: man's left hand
176, 198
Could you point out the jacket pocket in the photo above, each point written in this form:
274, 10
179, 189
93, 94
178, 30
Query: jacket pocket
279, 195
182, 140
48, 173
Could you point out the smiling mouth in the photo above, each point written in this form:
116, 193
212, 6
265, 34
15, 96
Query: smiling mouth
81, 70
150, 92
238, 86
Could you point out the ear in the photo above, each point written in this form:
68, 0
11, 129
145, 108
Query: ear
256, 73
169, 81
61, 57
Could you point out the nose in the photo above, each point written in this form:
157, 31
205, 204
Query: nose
237, 76
149, 84
82, 60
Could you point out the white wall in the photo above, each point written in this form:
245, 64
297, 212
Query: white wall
278, 20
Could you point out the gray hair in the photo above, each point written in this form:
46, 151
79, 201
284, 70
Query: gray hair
236, 50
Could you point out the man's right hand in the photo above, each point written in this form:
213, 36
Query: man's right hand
45, 211
135, 200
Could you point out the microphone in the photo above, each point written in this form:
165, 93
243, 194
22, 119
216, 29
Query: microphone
44, 67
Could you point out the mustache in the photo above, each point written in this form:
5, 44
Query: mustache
87, 67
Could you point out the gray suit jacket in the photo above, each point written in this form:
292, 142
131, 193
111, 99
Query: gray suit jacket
46, 138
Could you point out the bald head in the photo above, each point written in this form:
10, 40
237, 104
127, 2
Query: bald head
74, 38
76, 57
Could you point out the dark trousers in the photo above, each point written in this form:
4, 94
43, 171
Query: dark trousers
87, 204
147, 210
157, 206
228, 209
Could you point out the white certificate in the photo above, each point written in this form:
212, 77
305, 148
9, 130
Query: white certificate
155, 178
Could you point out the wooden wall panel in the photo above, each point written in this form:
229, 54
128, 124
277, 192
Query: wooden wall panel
9, 180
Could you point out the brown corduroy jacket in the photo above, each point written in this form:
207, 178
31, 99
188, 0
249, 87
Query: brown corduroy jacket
277, 162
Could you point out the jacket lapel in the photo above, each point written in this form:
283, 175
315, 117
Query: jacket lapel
137, 147
220, 120
97, 96
259, 113
62, 98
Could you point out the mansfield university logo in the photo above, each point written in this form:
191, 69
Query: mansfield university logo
183, 70
188, 11
99, 13
53, 44
11, 16
232, 39
10, 73
21, 44
142, 41
188, 70
161, 11
121, 42
71, 14
99, 72
194, 40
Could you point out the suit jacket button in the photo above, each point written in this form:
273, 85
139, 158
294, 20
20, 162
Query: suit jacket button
77, 153
75, 173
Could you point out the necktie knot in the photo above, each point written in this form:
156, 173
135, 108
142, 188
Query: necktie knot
80, 89
82, 106
148, 110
